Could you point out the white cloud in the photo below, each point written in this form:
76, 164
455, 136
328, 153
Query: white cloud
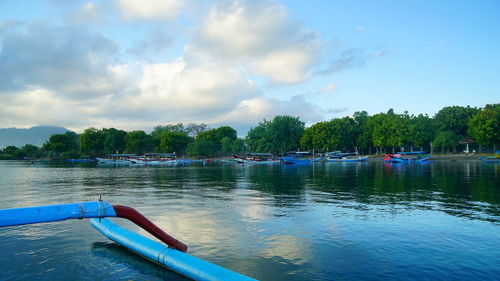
286, 66
37, 106
244, 29
72, 77
212, 94
259, 33
252, 110
206, 89
151, 9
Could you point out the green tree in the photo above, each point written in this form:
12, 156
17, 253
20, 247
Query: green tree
173, 142
365, 134
316, 137
259, 139
421, 131
360, 117
387, 130
217, 135
455, 119
138, 142
446, 139
92, 142
485, 125
238, 146
404, 123
227, 145
281, 134
12, 152
335, 134
114, 140
63, 145
31, 150
202, 148
286, 132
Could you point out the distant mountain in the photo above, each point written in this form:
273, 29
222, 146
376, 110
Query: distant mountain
37, 135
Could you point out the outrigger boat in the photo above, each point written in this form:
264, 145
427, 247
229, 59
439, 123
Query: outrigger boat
255, 158
155, 159
407, 157
338, 156
119, 159
299, 157
492, 159
172, 255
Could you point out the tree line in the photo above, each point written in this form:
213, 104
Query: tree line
379, 133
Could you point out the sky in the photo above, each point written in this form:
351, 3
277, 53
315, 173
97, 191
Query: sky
136, 64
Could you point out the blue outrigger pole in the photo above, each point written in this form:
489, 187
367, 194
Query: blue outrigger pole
172, 255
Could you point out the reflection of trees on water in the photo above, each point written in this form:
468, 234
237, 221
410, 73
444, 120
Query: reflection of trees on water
209, 181
468, 189
461, 188
465, 189
285, 183
162, 181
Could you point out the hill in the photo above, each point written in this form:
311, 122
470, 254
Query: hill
35, 135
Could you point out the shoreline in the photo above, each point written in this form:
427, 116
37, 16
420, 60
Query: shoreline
438, 157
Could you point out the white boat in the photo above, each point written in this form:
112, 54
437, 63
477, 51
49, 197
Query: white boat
119, 159
256, 158
156, 159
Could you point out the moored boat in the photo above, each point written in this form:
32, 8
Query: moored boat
156, 159
490, 159
119, 159
407, 157
255, 158
338, 156
299, 157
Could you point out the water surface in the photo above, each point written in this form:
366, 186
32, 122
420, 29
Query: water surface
327, 221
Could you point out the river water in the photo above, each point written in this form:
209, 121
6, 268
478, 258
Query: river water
328, 221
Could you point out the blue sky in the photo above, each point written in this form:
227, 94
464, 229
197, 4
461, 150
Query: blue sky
134, 64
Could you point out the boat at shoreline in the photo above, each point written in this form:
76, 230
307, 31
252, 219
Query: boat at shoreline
118, 159
255, 158
407, 157
155, 159
299, 157
338, 156
492, 159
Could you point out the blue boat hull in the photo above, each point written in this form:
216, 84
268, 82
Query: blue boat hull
490, 160
362, 159
290, 160
409, 160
